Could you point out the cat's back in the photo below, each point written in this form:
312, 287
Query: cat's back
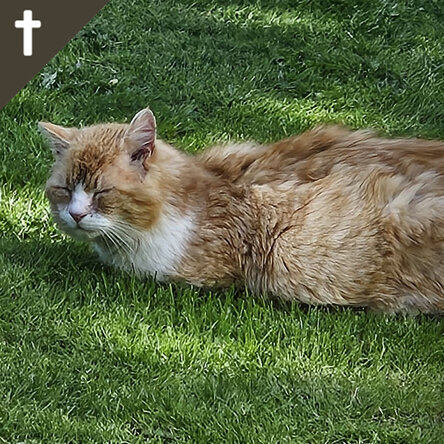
314, 154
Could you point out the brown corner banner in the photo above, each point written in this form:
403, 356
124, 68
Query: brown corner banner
32, 32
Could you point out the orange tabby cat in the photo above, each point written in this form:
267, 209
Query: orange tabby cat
327, 217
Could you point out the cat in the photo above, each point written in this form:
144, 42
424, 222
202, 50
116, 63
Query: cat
331, 216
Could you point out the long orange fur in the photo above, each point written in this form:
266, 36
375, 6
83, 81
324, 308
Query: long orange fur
327, 217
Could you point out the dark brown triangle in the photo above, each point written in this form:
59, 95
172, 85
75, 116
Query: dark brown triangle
60, 22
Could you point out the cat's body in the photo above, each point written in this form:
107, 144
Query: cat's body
328, 217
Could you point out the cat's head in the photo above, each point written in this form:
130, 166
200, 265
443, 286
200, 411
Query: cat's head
105, 177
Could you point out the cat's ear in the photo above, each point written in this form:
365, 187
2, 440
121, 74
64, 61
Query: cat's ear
141, 136
59, 137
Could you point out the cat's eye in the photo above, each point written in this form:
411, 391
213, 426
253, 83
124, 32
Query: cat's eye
61, 192
102, 192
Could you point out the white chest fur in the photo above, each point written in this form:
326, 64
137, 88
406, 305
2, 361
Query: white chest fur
156, 252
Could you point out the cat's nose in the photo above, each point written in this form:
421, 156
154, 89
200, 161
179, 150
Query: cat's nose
77, 216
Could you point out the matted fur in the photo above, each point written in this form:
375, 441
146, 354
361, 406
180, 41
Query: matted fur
328, 217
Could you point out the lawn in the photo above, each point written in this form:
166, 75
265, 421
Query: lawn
90, 354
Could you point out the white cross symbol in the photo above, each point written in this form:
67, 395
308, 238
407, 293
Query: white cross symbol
27, 24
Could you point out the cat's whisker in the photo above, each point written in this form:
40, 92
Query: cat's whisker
122, 229
116, 241
119, 240
107, 238
111, 243
126, 232
126, 228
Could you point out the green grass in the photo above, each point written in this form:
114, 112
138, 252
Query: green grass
88, 354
